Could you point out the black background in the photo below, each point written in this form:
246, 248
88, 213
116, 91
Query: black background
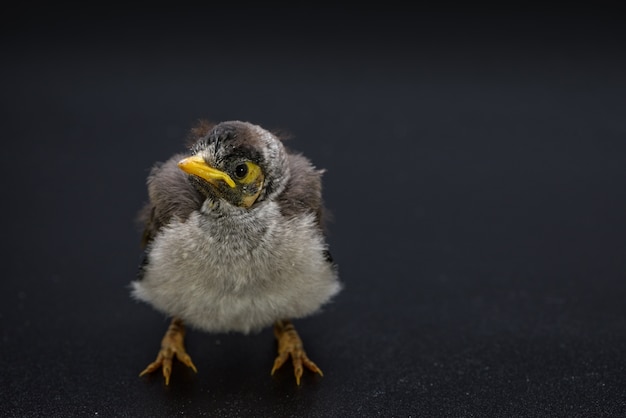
476, 164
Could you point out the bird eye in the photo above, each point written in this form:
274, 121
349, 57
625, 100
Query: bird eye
241, 170
247, 172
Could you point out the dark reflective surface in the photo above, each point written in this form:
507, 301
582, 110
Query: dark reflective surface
475, 171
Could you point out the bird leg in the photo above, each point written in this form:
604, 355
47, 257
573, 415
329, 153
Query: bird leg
171, 345
289, 343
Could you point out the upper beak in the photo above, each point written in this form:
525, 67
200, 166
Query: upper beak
198, 167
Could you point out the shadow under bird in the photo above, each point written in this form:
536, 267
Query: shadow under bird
234, 241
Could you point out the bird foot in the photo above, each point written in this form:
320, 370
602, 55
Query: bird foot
290, 344
171, 345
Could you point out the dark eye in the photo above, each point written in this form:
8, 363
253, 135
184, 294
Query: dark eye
241, 170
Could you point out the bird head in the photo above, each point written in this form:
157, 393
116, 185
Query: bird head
239, 162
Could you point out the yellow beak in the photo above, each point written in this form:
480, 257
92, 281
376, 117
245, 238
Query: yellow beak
198, 167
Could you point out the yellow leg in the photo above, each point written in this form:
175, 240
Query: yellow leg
290, 344
171, 345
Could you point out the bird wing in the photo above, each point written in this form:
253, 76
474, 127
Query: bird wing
170, 196
170, 193
303, 193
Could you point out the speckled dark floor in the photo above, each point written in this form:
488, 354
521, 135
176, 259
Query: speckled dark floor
476, 170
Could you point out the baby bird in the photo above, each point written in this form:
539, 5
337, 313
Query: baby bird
234, 241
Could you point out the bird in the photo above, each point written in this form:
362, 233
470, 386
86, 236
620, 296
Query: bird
235, 240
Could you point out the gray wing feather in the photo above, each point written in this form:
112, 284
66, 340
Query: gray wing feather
303, 193
170, 195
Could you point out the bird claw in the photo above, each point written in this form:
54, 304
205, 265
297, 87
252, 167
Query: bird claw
171, 346
290, 344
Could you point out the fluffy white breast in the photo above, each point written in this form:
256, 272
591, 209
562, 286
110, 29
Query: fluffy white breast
239, 272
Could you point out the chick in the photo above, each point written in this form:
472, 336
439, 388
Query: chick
234, 241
